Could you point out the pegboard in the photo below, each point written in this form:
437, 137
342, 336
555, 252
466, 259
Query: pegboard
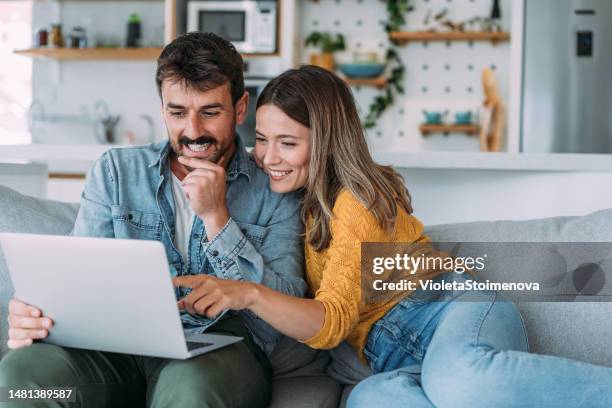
439, 76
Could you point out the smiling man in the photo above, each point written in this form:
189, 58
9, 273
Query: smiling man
201, 194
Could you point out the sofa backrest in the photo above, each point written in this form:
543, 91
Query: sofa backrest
20, 213
576, 330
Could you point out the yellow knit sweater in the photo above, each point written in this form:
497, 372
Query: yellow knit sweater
334, 274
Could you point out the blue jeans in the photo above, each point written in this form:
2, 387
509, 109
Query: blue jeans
469, 349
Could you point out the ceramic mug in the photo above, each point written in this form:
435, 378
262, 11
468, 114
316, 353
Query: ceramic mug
434, 118
463, 118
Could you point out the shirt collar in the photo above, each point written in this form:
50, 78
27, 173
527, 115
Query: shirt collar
241, 163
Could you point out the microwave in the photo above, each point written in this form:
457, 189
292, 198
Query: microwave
249, 24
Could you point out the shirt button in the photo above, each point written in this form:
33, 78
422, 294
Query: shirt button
214, 252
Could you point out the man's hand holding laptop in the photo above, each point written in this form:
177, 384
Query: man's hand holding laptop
26, 324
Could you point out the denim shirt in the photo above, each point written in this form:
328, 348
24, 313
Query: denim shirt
128, 195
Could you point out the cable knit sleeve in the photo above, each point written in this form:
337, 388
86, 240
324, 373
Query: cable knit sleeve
340, 289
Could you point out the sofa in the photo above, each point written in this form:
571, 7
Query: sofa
305, 378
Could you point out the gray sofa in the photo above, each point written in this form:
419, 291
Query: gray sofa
306, 378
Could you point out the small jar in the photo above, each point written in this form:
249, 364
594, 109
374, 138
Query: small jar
41, 38
78, 38
57, 38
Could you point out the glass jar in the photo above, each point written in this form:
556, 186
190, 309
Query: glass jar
41, 37
57, 38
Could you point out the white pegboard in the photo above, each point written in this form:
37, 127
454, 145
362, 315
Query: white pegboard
439, 76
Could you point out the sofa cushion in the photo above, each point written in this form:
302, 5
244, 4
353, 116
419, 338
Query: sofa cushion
26, 214
578, 330
305, 392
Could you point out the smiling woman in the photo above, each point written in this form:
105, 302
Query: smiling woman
15, 72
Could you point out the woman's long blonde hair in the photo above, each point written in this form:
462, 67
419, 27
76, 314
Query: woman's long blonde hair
340, 158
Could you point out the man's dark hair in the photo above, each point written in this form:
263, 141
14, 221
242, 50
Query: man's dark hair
202, 61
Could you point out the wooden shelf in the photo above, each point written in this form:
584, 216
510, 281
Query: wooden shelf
403, 37
104, 53
379, 82
470, 130
92, 53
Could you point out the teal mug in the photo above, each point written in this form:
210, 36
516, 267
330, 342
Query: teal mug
463, 118
434, 118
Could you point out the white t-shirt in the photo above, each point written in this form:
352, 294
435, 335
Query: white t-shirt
183, 219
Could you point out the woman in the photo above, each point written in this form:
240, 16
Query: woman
462, 350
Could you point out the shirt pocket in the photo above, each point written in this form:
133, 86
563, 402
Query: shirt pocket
256, 234
134, 224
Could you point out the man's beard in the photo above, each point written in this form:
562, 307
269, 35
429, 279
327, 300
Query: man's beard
184, 141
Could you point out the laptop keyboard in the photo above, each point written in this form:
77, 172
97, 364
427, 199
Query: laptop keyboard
192, 345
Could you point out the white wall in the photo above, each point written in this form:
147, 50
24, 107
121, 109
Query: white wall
448, 196
73, 87
438, 76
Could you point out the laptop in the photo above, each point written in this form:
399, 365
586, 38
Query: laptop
104, 294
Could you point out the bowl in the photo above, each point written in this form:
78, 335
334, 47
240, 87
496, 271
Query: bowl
362, 69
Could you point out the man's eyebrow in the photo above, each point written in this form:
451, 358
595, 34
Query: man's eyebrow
212, 106
171, 105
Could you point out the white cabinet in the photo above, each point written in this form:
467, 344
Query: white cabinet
65, 189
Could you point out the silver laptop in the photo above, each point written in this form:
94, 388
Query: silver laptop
104, 294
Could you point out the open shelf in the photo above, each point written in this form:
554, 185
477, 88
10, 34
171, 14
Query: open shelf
470, 130
379, 82
104, 53
92, 53
403, 37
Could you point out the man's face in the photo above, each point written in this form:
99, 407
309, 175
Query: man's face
201, 124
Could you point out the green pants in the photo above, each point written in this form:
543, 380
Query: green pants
238, 375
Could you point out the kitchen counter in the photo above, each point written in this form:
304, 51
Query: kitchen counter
77, 159
546, 162
64, 159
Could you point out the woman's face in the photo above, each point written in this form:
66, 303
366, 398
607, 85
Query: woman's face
282, 146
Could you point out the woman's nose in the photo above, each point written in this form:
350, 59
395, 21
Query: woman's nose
271, 156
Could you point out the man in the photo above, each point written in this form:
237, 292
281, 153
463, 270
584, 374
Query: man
203, 197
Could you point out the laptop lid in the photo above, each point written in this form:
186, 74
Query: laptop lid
103, 294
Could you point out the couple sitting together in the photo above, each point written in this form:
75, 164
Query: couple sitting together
239, 229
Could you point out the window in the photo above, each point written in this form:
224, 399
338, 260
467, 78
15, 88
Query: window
15, 71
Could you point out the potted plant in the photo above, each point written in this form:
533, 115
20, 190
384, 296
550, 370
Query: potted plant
327, 44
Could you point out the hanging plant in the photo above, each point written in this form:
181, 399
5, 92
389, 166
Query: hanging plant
396, 12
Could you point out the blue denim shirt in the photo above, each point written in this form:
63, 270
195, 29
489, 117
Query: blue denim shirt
128, 195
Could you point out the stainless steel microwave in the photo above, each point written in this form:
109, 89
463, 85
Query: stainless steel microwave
249, 24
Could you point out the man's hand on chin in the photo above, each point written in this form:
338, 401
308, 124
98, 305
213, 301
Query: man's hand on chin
205, 188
